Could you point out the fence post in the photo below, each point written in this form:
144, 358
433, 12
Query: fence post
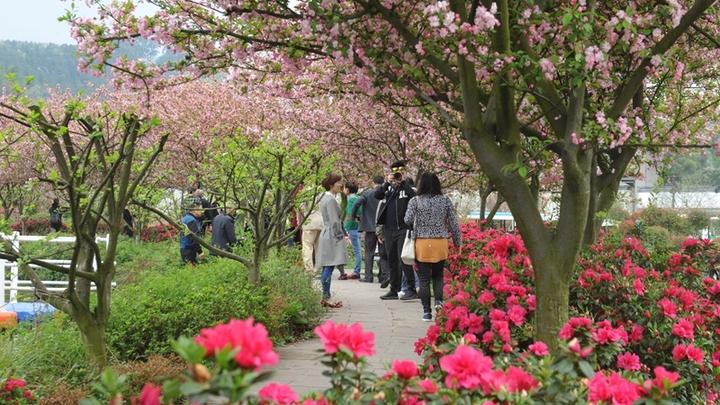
14, 269
2, 282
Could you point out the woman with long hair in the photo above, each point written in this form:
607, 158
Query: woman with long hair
432, 217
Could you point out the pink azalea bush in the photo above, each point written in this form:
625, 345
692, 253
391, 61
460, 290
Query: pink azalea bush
629, 314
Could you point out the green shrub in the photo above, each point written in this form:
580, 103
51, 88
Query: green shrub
137, 258
45, 354
659, 243
698, 220
668, 219
180, 301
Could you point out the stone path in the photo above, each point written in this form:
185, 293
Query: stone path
396, 324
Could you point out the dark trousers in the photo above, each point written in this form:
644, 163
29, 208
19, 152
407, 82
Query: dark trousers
371, 243
189, 256
393, 245
427, 272
383, 263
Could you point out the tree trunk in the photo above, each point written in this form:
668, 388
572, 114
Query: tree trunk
254, 273
85, 260
93, 335
483, 205
552, 293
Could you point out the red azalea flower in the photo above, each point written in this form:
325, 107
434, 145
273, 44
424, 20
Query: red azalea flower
668, 307
684, 329
352, 337
628, 361
575, 347
613, 389
277, 394
486, 297
539, 349
664, 379
255, 349
12, 383
428, 386
516, 314
470, 338
518, 380
695, 354
598, 389
636, 333
639, 287
716, 359
150, 395
679, 352
359, 342
332, 335
405, 369
465, 367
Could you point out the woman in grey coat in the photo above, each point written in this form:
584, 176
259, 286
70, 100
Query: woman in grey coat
332, 250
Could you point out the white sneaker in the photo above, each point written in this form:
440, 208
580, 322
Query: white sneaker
401, 294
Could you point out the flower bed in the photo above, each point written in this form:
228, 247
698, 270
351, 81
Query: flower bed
239, 352
637, 334
626, 315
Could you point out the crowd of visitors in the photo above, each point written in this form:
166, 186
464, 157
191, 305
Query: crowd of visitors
384, 215
379, 222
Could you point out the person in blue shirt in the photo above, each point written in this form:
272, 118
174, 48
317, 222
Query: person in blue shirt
190, 250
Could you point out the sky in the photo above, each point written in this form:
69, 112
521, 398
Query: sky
36, 20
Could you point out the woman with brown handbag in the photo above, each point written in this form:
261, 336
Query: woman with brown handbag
432, 216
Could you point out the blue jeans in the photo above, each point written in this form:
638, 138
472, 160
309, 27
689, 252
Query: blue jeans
355, 241
325, 279
404, 285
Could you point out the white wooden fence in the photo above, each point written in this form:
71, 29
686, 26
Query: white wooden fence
14, 284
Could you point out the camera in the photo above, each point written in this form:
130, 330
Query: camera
397, 176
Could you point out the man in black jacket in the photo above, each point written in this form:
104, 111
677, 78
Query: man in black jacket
397, 193
368, 205
223, 230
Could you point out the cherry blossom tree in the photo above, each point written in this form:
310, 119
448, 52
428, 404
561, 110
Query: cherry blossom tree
590, 82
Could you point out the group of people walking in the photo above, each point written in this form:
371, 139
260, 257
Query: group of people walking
385, 214
201, 216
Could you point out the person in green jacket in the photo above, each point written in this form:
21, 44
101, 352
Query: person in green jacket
352, 226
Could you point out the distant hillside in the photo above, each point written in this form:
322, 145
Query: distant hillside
55, 66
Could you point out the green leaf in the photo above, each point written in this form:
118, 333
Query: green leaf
522, 171
189, 350
192, 388
586, 369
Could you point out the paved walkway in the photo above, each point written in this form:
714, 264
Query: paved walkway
396, 324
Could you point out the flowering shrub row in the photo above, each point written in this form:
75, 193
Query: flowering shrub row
627, 316
240, 352
35, 227
158, 233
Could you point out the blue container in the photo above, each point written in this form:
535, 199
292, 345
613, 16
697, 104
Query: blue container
29, 311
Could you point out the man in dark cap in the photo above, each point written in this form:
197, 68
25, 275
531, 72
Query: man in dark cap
397, 193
